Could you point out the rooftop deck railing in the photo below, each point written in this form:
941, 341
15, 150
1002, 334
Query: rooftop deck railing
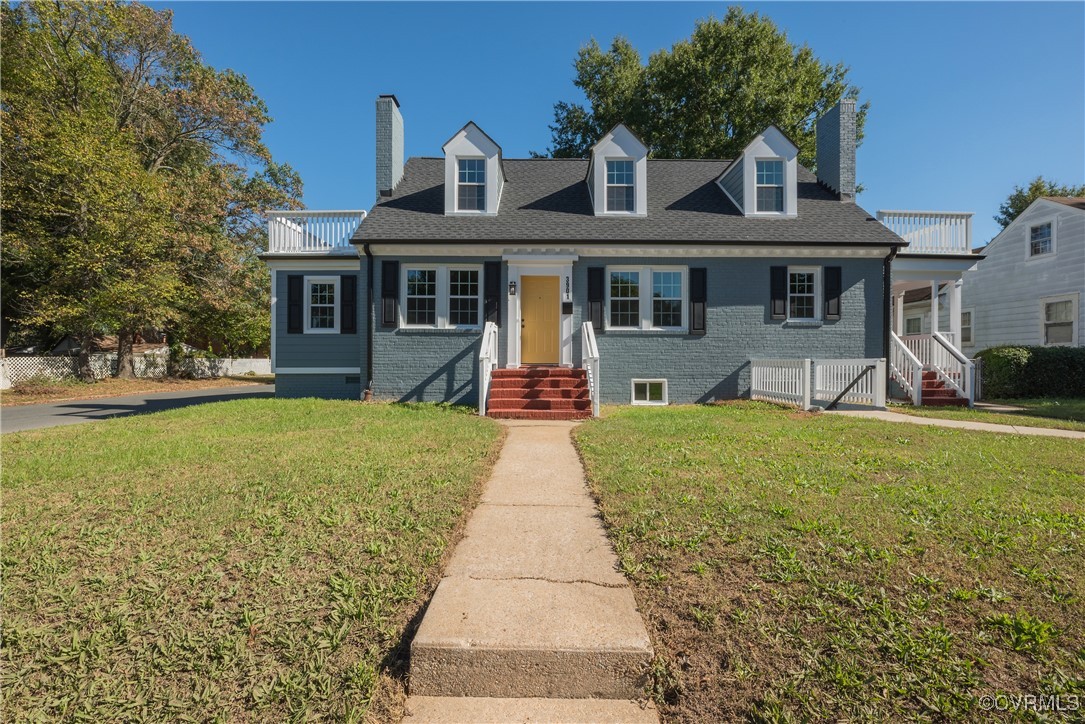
931, 232
312, 232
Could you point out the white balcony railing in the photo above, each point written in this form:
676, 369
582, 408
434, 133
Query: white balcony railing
931, 232
312, 232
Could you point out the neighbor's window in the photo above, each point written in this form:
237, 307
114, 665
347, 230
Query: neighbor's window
649, 392
421, 306
966, 328
802, 293
625, 299
463, 306
1059, 319
770, 186
1040, 239
620, 194
472, 185
666, 299
913, 325
322, 309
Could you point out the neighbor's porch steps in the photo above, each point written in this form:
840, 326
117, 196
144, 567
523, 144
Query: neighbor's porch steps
539, 393
936, 394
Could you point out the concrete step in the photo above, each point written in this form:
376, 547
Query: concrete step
545, 393
530, 638
459, 710
519, 403
944, 402
539, 414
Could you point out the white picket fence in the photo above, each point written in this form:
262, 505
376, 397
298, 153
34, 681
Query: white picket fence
802, 382
14, 370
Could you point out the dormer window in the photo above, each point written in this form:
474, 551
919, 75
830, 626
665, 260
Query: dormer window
620, 193
770, 186
471, 186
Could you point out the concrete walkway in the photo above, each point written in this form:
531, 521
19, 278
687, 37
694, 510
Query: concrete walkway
532, 621
73, 412
960, 424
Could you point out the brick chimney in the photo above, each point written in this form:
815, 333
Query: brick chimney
389, 144
836, 149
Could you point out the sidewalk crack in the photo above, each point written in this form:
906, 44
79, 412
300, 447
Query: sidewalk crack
546, 580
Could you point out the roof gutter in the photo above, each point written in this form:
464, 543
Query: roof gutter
369, 321
887, 313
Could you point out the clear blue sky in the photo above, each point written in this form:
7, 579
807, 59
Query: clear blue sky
967, 99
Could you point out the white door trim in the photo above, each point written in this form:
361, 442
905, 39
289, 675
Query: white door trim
535, 267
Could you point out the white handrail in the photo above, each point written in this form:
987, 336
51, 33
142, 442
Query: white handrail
589, 355
953, 367
906, 368
487, 363
312, 231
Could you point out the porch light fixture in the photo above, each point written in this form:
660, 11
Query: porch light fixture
512, 289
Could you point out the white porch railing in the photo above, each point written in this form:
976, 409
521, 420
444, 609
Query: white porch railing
327, 232
832, 377
589, 355
906, 366
953, 368
931, 232
785, 381
487, 363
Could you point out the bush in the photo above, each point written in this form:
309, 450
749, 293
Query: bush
1033, 372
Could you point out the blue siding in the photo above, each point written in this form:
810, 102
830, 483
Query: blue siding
716, 365
734, 182
333, 387
318, 350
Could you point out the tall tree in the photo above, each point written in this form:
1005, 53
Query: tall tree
177, 152
1022, 197
706, 97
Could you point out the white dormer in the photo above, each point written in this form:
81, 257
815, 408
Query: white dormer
762, 181
618, 174
474, 176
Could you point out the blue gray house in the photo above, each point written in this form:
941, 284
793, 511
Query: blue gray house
540, 287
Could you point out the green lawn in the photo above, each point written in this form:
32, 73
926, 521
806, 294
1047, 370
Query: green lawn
249, 560
801, 567
1065, 413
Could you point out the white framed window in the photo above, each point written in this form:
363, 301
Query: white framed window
321, 305
966, 327
770, 186
803, 292
648, 392
1041, 239
620, 192
441, 297
913, 325
647, 298
1059, 317
471, 184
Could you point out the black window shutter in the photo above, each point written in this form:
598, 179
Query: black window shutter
595, 298
389, 292
294, 303
778, 276
698, 298
348, 305
833, 288
491, 298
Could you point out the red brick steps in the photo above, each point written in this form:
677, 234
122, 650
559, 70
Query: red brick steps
539, 393
936, 394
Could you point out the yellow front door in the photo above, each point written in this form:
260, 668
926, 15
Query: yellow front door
539, 326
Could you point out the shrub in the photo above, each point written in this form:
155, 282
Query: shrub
1033, 371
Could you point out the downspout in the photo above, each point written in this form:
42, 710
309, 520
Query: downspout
887, 313
371, 319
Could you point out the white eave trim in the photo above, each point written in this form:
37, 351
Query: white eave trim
589, 250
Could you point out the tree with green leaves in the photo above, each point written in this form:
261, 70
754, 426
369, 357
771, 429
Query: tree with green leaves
706, 97
134, 180
1022, 197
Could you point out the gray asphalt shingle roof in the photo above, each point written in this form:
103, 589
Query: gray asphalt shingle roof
547, 200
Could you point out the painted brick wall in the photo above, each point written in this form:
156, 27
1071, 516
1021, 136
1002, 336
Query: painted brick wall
427, 365
318, 350
334, 387
716, 366
836, 133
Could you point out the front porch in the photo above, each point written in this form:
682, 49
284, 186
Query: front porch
926, 361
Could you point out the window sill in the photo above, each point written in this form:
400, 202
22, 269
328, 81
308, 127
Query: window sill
800, 323
439, 330
623, 332
322, 331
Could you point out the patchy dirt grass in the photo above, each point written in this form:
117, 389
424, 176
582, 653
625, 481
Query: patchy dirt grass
822, 568
254, 560
40, 390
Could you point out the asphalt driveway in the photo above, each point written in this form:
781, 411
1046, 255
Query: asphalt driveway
73, 412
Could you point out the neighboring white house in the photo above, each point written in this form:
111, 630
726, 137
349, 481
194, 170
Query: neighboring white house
1029, 288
